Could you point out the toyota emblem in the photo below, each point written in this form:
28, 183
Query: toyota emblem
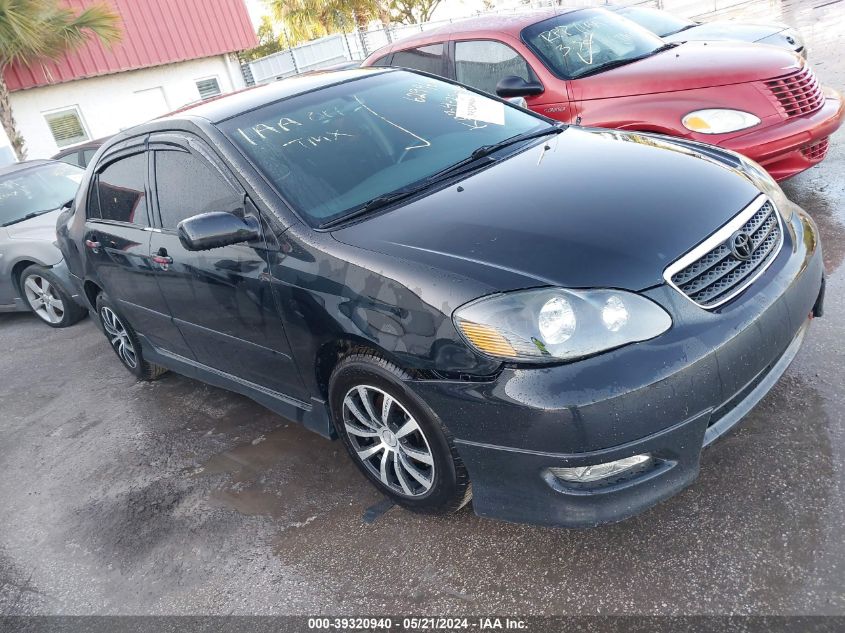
741, 245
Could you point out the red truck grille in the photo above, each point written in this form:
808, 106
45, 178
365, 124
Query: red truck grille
816, 151
797, 93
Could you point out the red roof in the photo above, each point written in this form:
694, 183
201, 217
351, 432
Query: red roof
155, 32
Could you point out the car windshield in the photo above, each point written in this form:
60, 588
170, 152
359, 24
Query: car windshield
36, 190
656, 21
332, 150
583, 42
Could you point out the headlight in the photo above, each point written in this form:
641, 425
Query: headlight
718, 121
761, 179
551, 324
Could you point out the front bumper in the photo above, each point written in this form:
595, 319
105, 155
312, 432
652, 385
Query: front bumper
795, 145
667, 397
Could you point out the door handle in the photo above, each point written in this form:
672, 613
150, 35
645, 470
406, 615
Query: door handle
92, 244
162, 258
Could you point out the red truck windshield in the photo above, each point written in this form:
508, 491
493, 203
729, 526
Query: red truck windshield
581, 43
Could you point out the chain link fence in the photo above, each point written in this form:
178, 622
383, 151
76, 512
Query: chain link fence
357, 45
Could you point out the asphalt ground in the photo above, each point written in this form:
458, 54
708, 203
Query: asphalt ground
172, 497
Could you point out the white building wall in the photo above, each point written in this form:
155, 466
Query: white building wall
112, 103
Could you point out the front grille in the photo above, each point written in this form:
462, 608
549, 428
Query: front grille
797, 93
816, 151
717, 275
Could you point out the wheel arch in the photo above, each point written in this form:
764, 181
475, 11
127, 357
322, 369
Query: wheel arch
17, 270
91, 290
332, 352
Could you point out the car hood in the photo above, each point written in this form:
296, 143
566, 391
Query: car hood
689, 66
725, 30
40, 228
599, 208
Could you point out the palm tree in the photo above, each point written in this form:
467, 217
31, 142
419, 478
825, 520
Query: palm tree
413, 11
310, 19
44, 29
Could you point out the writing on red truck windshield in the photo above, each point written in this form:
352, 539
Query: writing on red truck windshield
574, 43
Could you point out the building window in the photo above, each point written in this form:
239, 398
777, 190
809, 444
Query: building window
66, 126
208, 87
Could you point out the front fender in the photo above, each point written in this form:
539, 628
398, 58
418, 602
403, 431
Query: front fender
662, 112
14, 252
16, 255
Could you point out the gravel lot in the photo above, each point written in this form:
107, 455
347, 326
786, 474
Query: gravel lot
174, 497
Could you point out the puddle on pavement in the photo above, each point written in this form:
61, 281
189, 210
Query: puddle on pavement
823, 202
292, 475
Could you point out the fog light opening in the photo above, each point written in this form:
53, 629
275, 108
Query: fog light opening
598, 472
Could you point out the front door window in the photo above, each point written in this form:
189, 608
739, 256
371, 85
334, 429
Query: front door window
482, 63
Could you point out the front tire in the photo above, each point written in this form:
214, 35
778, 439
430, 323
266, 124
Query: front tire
394, 438
47, 297
124, 341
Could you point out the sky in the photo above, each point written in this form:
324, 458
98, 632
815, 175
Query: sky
447, 9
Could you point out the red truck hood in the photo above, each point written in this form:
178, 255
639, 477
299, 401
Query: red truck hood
689, 66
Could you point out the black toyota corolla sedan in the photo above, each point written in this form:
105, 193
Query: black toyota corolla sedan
480, 303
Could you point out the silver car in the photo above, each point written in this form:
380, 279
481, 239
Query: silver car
675, 29
33, 275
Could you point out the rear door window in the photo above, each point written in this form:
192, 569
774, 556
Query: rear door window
426, 58
71, 158
483, 63
383, 61
87, 155
121, 194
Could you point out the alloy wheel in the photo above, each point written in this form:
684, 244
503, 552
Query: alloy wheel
119, 337
44, 299
388, 441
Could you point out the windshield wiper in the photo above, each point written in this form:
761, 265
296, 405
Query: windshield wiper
486, 150
28, 216
683, 28
464, 165
622, 62
378, 202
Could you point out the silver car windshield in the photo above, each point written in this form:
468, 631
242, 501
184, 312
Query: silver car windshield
37, 189
660, 22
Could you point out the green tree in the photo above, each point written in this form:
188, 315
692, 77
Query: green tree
412, 11
305, 20
309, 19
268, 43
31, 30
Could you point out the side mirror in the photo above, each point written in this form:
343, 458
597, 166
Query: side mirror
213, 230
513, 86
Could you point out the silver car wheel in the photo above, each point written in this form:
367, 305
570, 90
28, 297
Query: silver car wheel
388, 441
44, 299
119, 337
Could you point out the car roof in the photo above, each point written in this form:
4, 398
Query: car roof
511, 24
232, 104
27, 164
93, 144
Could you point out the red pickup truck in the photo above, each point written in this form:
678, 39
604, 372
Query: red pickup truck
597, 68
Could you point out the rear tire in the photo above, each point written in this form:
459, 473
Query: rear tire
48, 298
124, 341
394, 438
